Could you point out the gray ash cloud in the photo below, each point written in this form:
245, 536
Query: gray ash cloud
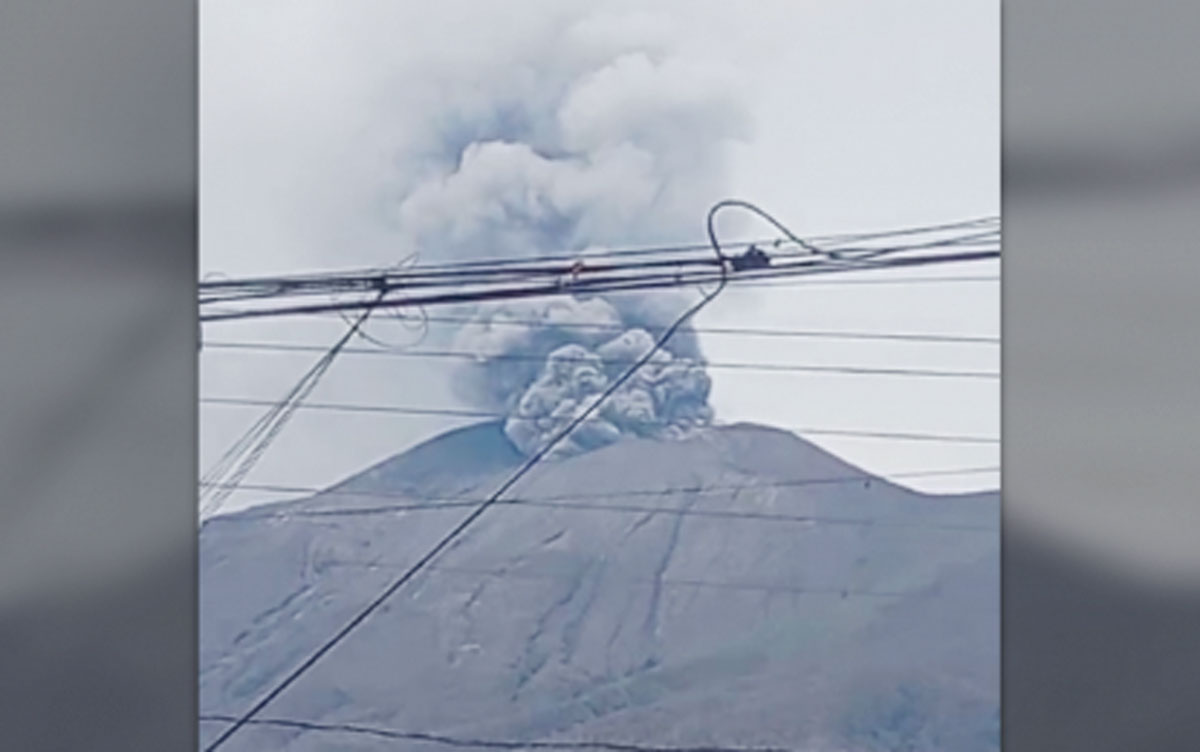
543, 377
592, 132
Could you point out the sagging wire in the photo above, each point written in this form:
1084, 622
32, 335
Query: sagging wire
395, 314
504, 487
244, 454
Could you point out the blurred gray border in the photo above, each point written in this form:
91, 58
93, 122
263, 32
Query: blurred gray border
98, 383
97, 391
1101, 589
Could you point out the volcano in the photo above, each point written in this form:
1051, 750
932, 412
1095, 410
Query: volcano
741, 587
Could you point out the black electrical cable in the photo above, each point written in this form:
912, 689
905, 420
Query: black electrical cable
451, 412
418, 502
829, 241
283, 347
250, 447
646, 282
469, 743
487, 272
740, 331
578, 503
470, 519
425, 278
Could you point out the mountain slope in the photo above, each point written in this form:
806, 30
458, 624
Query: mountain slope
660, 592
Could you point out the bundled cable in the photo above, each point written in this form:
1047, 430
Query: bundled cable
613, 277
479, 510
237, 461
592, 273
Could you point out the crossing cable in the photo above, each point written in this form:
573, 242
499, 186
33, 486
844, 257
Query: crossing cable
282, 347
433, 277
250, 447
621, 493
720, 514
596, 286
506, 321
838, 242
508, 572
534, 268
394, 314
824, 242
556, 281
470, 519
578, 503
457, 413
452, 741
217, 313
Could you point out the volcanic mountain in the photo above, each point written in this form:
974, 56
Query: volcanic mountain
739, 588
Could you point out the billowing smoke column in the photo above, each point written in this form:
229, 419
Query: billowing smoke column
576, 140
542, 377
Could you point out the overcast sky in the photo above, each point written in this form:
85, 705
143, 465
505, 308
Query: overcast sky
857, 116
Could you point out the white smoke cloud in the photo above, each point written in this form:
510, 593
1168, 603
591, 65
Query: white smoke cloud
590, 132
578, 131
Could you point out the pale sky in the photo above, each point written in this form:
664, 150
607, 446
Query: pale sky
866, 116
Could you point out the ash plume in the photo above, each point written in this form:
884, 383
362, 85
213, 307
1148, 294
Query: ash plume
543, 376
583, 136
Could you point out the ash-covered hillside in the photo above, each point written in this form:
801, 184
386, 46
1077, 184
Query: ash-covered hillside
741, 587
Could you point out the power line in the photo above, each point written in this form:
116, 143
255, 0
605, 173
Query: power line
700, 584
594, 283
722, 514
425, 503
241, 457
282, 347
990, 225
836, 242
786, 272
482, 275
670, 491
455, 413
597, 286
483, 272
488, 272
395, 735
219, 313
505, 321
426, 277
521, 471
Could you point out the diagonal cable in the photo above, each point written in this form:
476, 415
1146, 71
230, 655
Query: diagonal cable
471, 518
245, 453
